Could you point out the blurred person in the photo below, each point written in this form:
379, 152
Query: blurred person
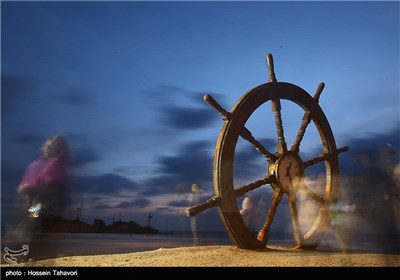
375, 190
396, 175
387, 165
390, 165
45, 191
195, 198
396, 195
260, 212
247, 212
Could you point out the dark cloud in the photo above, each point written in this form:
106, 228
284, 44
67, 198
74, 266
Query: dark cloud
169, 91
372, 145
13, 89
17, 90
103, 184
192, 117
194, 114
125, 205
102, 207
376, 141
161, 184
10, 175
195, 96
29, 138
78, 97
193, 158
141, 202
166, 93
193, 163
83, 156
188, 118
249, 163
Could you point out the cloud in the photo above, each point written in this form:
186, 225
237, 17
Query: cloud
375, 141
349, 162
191, 159
101, 207
17, 89
78, 97
188, 118
109, 184
248, 161
167, 93
125, 205
119, 200
83, 156
14, 88
182, 108
140, 202
193, 163
178, 203
10, 176
29, 138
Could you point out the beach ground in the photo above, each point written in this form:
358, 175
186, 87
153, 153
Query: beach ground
223, 256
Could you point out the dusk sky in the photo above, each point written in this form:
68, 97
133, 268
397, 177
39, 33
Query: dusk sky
124, 83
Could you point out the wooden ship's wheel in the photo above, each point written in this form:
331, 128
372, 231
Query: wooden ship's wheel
284, 170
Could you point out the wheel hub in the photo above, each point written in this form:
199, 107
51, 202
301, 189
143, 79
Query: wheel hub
289, 172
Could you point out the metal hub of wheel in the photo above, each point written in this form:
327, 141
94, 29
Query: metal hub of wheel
289, 172
285, 170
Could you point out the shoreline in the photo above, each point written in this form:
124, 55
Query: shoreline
223, 256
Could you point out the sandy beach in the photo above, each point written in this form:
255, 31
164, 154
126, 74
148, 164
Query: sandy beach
223, 256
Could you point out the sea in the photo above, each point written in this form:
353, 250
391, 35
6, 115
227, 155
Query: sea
85, 244
109, 243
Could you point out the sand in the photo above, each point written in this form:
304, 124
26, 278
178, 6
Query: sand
223, 256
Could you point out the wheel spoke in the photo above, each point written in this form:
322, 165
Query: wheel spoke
226, 116
323, 157
315, 160
240, 191
271, 70
295, 220
320, 201
263, 234
300, 134
276, 109
246, 135
305, 122
318, 92
197, 209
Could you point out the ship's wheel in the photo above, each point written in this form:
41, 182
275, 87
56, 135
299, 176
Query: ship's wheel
309, 182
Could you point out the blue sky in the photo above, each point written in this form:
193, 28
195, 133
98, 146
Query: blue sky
124, 82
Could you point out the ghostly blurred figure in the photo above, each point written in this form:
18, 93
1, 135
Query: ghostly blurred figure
390, 165
376, 193
46, 193
193, 199
247, 212
396, 196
